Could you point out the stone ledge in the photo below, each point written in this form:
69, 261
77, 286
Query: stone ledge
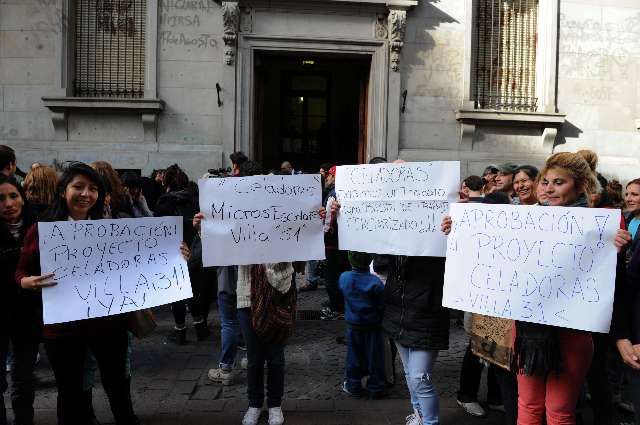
547, 122
58, 104
60, 108
490, 116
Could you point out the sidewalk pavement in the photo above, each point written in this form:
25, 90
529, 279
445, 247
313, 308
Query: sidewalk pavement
170, 384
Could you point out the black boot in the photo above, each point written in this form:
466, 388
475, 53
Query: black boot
178, 336
202, 330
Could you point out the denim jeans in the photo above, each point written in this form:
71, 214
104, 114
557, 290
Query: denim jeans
312, 273
257, 353
418, 368
229, 329
337, 262
365, 356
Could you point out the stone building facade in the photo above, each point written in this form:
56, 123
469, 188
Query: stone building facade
205, 91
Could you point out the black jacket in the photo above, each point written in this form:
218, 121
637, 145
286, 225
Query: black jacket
414, 315
625, 321
179, 203
20, 311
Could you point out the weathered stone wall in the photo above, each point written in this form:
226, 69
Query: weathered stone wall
599, 81
598, 85
188, 68
598, 88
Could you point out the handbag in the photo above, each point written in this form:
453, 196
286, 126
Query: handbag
492, 339
272, 313
141, 323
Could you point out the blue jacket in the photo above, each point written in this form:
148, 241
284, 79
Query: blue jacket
363, 299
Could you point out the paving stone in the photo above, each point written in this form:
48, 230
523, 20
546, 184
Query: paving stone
170, 386
209, 392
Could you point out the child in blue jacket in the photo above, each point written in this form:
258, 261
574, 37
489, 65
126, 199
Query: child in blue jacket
364, 307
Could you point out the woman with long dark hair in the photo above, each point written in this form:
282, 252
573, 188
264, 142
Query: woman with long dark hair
20, 320
80, 195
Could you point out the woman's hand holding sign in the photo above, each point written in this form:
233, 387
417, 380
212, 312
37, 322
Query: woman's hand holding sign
36, 283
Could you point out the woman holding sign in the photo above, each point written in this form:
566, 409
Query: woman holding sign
553, 362
80, 195
18, 311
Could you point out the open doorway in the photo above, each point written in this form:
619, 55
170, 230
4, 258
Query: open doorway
310, 109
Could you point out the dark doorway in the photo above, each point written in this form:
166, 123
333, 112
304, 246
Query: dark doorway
310, 109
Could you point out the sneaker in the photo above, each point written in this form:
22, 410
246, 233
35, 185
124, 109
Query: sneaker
202, 331
221, 376
496, 407
275, 416
331, 315
242, 346
413, 419
624, 406
474, 409
178, 336
252, 416
346, 390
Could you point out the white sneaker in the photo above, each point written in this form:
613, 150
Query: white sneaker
474, 409
275, 416
224, 377
252, 416
413, 419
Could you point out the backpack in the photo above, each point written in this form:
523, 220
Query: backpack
272, 313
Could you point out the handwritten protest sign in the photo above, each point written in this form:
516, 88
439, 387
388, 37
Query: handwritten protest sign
261, 219
550, 265
395, 208
107, 267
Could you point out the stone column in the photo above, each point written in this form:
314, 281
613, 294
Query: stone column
231, 24
397, 25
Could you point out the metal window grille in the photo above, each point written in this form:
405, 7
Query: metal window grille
110, 48
505, 62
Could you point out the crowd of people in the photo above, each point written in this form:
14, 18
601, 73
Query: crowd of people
392, 305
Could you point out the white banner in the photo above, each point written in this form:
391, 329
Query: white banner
261, 219
549, 265
396, 208
106, 267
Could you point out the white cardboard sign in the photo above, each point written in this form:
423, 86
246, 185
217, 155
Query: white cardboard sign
395, 208
261, 219
549, 265
107, 267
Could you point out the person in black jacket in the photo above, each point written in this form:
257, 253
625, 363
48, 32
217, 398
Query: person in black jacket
419, 325
178, 200
625, 322
20, 312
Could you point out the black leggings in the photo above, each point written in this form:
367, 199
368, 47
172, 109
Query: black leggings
203, 286
67, 357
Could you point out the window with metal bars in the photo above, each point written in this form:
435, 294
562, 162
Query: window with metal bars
505, 55
110, 48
